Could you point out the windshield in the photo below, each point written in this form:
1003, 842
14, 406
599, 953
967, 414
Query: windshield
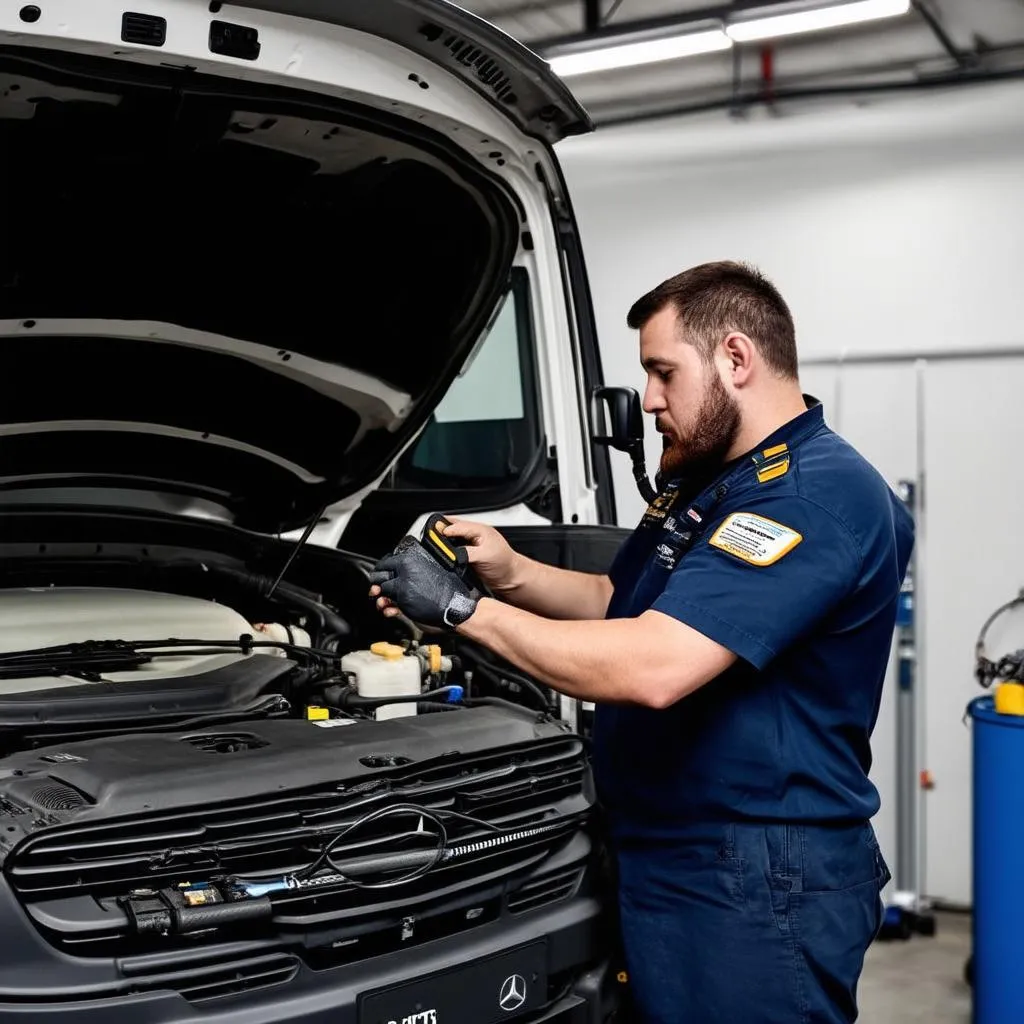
487, 428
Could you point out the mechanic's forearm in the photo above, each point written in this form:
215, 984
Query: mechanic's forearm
557, 593
600, 661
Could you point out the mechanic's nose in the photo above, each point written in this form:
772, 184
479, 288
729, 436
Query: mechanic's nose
653, 402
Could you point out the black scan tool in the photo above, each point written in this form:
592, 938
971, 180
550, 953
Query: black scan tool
452, 556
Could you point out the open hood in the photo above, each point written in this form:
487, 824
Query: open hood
216, 287
507, 74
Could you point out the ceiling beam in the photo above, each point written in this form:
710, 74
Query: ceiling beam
939, 30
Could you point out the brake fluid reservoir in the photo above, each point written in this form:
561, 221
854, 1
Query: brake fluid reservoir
385, 671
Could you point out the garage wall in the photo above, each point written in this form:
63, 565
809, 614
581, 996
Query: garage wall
893, 230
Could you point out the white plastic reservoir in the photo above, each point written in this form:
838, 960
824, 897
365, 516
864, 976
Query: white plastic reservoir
385, 671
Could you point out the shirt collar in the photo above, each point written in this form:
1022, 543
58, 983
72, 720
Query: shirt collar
795, 430
789, 434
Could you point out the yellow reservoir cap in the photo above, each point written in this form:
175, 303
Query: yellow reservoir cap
1010, 699
317, 714
392, 652
434, 651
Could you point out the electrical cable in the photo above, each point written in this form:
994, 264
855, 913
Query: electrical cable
395, 809
443, 851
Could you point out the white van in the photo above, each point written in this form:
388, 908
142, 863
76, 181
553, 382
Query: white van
276, 271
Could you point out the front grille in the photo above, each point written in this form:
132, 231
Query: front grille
200, 983
545, 890
69, 877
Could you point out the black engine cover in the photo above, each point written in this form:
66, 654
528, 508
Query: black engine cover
139, 773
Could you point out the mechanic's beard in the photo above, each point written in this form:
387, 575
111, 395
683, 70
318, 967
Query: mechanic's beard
705, 447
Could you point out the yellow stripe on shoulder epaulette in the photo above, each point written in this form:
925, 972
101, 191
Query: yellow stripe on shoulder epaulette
772, 463
773, 470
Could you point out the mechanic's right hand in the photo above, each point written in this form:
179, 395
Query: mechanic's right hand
490, 555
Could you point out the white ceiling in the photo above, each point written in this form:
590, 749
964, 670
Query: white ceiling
905, 51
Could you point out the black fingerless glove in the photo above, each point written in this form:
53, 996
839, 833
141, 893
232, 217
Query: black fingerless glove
413, 580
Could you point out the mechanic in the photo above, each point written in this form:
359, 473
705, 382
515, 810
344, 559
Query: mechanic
736, 652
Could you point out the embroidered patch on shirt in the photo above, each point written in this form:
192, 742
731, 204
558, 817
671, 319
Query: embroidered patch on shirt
754, 539
659, 508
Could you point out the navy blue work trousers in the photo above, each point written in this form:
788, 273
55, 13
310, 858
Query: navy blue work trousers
749, 924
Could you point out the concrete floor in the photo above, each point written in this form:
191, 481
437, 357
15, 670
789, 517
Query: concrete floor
921, 979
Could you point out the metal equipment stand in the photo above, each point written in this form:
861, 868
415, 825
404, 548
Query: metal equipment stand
904, 914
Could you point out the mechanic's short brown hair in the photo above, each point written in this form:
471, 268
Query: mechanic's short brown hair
714, 298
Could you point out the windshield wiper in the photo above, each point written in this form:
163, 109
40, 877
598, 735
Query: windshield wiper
90, 658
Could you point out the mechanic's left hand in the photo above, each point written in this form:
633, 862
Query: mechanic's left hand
412, 580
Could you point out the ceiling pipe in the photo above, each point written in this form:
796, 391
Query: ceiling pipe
738, 102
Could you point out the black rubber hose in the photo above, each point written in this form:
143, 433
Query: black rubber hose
356, 701
498, 675
508, 705
329, 621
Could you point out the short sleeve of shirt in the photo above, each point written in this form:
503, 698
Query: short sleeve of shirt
625, 558
763, 575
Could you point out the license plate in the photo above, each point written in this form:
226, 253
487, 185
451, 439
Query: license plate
483, 992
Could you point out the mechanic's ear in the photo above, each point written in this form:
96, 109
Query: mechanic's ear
741, 353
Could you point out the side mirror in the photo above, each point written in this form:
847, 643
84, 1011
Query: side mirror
619, 411
624, 419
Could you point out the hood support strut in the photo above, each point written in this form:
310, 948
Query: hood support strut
306, 533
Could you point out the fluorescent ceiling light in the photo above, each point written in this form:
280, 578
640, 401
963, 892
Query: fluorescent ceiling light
627, 55
815, 19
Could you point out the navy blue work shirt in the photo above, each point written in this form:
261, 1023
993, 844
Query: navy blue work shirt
792, 558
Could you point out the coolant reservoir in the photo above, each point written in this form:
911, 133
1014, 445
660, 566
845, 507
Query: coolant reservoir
385, 671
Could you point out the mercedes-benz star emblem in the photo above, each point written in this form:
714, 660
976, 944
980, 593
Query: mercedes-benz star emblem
513, 993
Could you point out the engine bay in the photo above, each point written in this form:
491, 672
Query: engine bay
194, 751
80, 661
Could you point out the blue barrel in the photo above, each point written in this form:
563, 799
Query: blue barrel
998, 869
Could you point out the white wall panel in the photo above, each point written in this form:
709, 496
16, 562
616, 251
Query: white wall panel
876, 411
974, 494
891, 227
